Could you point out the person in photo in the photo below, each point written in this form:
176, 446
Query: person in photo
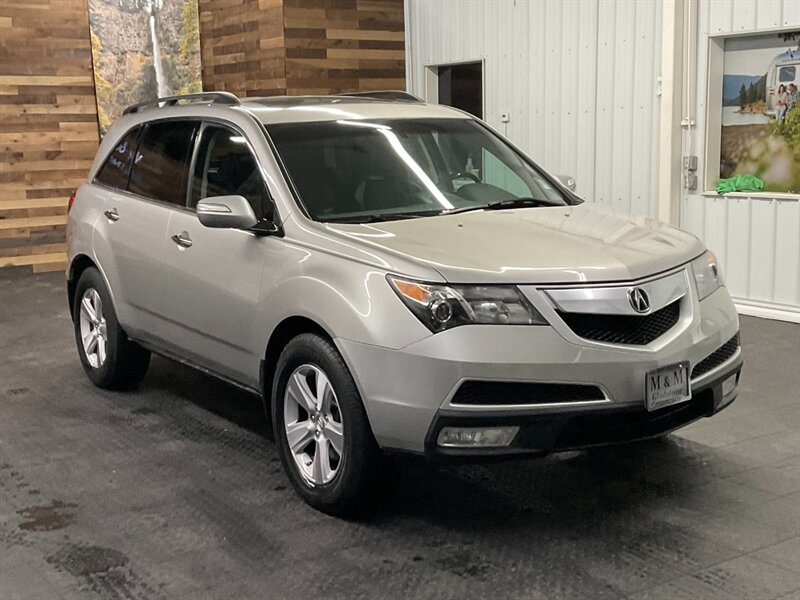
781, 103
794, 95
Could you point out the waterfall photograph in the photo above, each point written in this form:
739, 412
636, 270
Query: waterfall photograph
142, 50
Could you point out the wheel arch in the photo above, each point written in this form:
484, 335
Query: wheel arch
76, 268
289, 328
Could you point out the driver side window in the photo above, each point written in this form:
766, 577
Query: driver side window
225, 166
499, 174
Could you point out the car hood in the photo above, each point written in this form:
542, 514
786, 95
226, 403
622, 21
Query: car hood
565, 244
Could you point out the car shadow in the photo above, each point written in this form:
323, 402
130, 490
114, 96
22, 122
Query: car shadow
556, 494
209, 393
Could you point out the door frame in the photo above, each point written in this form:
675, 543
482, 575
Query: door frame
430, 84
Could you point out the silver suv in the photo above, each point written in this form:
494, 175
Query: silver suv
388, 275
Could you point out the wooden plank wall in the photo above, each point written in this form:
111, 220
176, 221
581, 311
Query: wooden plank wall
241, 45
48, 115
337, 46
269, 47
48, 126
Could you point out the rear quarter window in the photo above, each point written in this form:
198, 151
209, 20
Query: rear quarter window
115, 170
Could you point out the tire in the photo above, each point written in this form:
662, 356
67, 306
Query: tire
338, 432
114, 362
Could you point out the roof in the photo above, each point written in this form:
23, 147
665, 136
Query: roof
788, 57
292, 109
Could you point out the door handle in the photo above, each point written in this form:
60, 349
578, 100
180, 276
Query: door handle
182, 239
112, 215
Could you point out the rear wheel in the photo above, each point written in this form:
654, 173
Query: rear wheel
110, 359
321, 428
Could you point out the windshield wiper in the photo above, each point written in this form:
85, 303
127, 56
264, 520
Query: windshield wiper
510, 203
377, 218
395, 217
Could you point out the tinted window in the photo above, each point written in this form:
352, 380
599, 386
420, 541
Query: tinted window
114, 172
226, 167
370, 170
160, 166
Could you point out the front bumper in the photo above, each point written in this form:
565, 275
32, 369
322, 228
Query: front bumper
408, 392
572, 430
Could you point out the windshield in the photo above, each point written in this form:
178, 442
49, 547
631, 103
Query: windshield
362, 171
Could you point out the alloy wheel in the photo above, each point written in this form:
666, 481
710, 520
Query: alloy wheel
313, 424
93, 328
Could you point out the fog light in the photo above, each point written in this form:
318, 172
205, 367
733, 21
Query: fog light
728, 385
477, 437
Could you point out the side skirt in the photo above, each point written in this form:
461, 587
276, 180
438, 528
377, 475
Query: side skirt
166, 354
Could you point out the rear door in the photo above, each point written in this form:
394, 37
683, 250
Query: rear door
145, 177
214, 275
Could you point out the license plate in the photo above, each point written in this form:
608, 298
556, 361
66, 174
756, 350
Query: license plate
667, 386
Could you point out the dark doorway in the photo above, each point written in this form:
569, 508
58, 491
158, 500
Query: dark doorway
461, 86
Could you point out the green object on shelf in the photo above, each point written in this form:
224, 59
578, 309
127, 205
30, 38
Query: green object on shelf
740, 183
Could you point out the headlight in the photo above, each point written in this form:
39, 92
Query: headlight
707, 274
441, 307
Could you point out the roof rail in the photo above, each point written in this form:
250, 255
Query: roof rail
211, 97
385, 95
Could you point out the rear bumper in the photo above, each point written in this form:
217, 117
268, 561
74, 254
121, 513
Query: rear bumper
541, 434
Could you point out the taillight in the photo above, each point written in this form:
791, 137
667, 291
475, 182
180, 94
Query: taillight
71, 201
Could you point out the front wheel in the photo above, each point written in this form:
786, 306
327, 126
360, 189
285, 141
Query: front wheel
110, 359
323, 435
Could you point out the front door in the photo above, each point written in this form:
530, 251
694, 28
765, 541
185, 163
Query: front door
214, 275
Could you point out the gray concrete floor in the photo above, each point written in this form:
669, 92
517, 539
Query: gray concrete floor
175, 492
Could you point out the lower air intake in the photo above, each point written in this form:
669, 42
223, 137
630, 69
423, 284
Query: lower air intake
493, 393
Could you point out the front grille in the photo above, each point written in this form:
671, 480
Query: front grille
716, 358
623, 329
494, 393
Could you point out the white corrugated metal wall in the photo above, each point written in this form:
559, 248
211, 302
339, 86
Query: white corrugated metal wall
579, 79
757, 238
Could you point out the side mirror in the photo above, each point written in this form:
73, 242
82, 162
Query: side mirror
567, 181
226, 212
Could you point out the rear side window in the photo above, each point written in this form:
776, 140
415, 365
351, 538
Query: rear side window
114, 172
225, 166
160, 167
787, 74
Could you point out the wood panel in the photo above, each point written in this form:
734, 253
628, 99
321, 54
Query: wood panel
48, 114
241, 45
48, 126
335, 46
274, 47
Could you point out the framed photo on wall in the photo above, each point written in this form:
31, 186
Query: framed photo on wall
754, 112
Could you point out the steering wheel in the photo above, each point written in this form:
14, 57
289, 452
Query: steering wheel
466, 174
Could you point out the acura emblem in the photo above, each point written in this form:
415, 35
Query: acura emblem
639, 300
